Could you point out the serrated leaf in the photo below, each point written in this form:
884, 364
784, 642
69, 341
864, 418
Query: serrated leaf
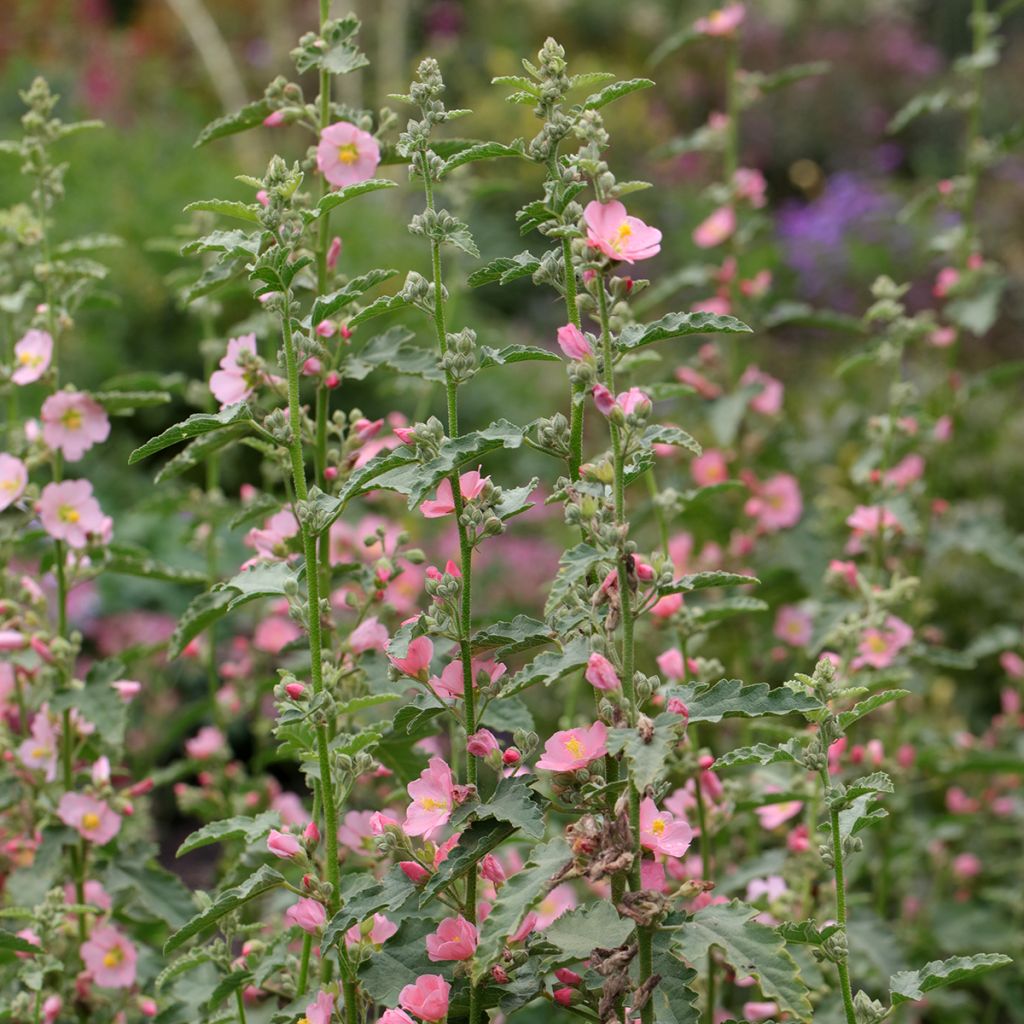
481, 151
125, 401
264, 880
192, 959
674, 1000
204, 610
865, 707
614, 92
515, 354
575, 565
197, 424
749, 947
647, 757
251, 115
761, 753
806, 933
340, 196
549, 667
200, 449
365, 897
251, 829
730, 698
923, 103
512, 803
11, 943
708, 579
727, 608
325, 306
228, 208
505, 269
127, 560
677, 325
508, 638
910, 986
385, 304
227, 986
578, 931
862, 813
401, 960
671, 435
395, 351
474, 844
876, 782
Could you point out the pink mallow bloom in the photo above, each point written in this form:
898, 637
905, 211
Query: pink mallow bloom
433, 799
909, 469
722, 22
416, 662
470, 485
377, 930
69, 512
946, 280
768, 401
793, 626
206, 743
451, 682
760, 1010
73, 422
750, 185
879, 647
573, 342
777, 505
619, 236
369, 635
870, 520
93, 818
574, 748
715, 229
13, 479
661, 832
1012, 664
237, 377
455, 939
427, 997
481, 743
709, 468
772, 816
346, 154
601, 673
32, 357
634, 402
321, 1009
109, 958
308, 914
396, 1016
283, 844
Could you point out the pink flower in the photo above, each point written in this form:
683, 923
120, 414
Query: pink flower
13, 479
40, 750
93, 818
415, 872
905, 472
777, 504
481, 743
942, 337
346, 154
127, 689
470, 485
381, 929
629, 403
333, 252
369, 635
619, 236
757, 1011
283, 845
427, 997
321, 1009
715, 229
695, 379
206, 743
723, 22
491, 869
395, 1016
773, 888
709, 468
238, 376
310, 915
69, 512
773, 815
416, 662
109, 957
32, 357
660, 832
356, 831
432, 797
72, 423
274, 119
601, 673
947, 279
561, 899
271, 540
665, 607
455, 939
451, 682
750, 185
1012, 664
879, 647
793, 626
871, 520
573, 342
570, 749
768, 402
966, 866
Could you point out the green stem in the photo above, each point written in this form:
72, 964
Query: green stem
576, 390
307, 949
240, 1003
837, 858
979, 38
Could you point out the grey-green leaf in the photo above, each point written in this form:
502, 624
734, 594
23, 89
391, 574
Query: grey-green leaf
909, 986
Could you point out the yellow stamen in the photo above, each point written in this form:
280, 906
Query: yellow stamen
658, 826
91, 820
40, 752
69, 514
876, 643
113, 957
430, 804
348, 154
574, 747
72, 419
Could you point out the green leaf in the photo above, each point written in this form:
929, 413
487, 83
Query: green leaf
727, 608
199, 450
876, 782
923, 103
765, 83
513, 803
385, 304
325, 306
578, 931
730, 698
197, 424
910, 986
711, 578
204, 610
674, 998
518, 895
192, 959
647, 757
264, 880
367, 896
659, 434
575, 565
763, 754
610, 93
234, 244
862, 813
250, 829
481, 151
127, 560
364, 479
515, 354
549, 667
126, 401
227, 986
343, 195
865, 707
676, 325
399, 962
394, 350
250, 116
806, 933
474, 844
228, 208
10, 943
99, 703
505, 269
508, 638
750, 948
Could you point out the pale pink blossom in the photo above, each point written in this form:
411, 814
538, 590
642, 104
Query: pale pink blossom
207, 743
619, 236
634, 402
946, 280
772, 888
94, 819
1012, 664
433, 799
878, 647
776, 504
109, 958
573, 342
716, 228
793, 626
709, 468
481, 743
759, 1010
942, 337
427, 997
380, 929
601, 673
321, 1009
414, 871
768, 401
32, 356
454, 939
238, 376
750, 185
570, 749
270, 541
93, 892
357, 832
722, 22
346, 154
13, 479
772, 816
396, 1016
283, 844
69, 512
665, 607
909, 469
557, 902
310, 915
492, 870
274, 633
39, 751
870, 520
72, 423
416, 662
661, 832
369, 635
471, 484
127, 689
695, 379
333, 252
943, 429
451, 682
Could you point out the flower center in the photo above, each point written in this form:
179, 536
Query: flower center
113, 957
40, 752
876, 643
30, 359
622, 234
574, 747
430, 804
68, 514
72, 419
348, 154
658, 826
10, 484
90, 821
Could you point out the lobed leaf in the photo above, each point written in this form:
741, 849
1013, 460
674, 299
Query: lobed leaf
197, 424
616, 91
730, 698
250, 829
910, 986
677, 325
